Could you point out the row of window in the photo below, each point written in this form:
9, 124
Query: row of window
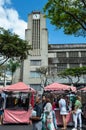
71, 54
60, 67
60, 54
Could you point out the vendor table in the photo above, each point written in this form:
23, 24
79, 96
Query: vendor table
59, 117
16, 116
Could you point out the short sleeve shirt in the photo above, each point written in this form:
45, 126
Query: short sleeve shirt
78, 104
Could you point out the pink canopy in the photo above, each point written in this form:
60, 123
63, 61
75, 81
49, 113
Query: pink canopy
84, 89
59, 87
20, 86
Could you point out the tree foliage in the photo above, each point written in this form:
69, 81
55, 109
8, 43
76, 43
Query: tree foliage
73, 72
43, 71
46, 75
67, 14
11, 46
12, 66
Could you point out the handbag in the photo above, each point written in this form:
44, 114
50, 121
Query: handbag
35, 118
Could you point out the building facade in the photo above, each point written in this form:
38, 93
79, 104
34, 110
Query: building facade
63, 56
37, 36
57, 57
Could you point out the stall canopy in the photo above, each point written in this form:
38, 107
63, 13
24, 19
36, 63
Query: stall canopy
84, 89
20, 86
1, 89
59, 87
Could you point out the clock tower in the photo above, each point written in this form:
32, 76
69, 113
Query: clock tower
36, 16
37, 36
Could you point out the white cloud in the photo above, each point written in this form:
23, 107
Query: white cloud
2, 2
9, 19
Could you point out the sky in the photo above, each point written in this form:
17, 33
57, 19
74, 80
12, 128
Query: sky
14, 16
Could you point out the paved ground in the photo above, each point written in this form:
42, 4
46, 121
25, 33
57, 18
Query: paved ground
25, 127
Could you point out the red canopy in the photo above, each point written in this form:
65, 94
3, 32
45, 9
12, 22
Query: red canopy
84, 89
59, 87
20, 86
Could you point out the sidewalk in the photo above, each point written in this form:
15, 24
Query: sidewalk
84, 126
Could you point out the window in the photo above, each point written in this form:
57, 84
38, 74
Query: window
36, 34
84, 65
61, 67
35, 62
34, 74
37, 87
74, 65
83, 54
73, 54
61, 54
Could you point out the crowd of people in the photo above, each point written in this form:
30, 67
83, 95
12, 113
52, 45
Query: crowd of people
1, 108
43, 114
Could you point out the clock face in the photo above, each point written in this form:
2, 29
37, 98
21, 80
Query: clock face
36, 16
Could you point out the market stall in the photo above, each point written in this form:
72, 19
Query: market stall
17, 100
82, 93
56, 89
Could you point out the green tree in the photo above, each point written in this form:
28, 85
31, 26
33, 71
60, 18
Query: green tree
3, 70
73, 72
12, 66
69, 15
11, 46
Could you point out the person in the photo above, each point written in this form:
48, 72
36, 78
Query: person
43, 102
54, 120
1, 108
68, 103
36, 117
48, 121
63, 111
77, 113
84, 113
54, 105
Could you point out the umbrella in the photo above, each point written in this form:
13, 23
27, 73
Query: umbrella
84, 89
20, 86
59, 87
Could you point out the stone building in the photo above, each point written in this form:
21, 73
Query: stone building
56, 56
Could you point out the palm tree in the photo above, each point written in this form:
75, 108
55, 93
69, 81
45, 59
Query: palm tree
3, 73
12, 66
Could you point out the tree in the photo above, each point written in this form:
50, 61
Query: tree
73, 72
3, 76
12, 66
46, 75
43, 71
11, 46
67, 14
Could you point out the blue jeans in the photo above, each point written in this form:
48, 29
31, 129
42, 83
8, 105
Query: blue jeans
76, 117
37, 125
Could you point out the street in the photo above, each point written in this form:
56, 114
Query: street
24, 127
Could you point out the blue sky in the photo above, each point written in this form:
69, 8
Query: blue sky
14, 16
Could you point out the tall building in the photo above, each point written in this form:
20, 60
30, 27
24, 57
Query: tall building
37, 36
57, 56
